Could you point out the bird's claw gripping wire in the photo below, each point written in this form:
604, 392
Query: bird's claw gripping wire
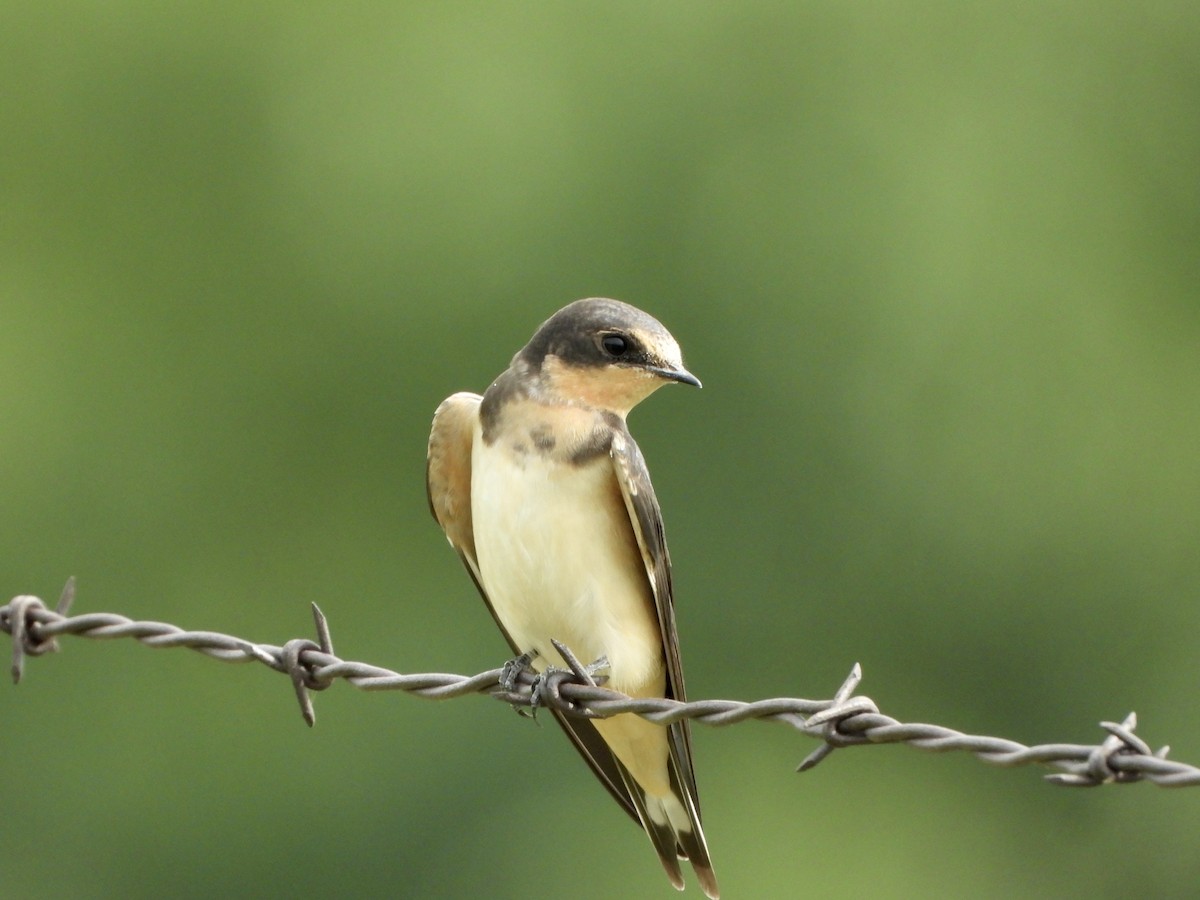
511, 673
546, 685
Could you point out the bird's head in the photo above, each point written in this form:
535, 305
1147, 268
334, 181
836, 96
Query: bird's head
605, 354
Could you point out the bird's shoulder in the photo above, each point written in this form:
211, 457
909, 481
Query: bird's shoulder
448, 467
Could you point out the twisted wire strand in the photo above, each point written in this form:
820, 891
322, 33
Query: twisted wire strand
845, 720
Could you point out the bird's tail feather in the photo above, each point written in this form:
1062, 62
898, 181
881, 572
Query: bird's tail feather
672, 823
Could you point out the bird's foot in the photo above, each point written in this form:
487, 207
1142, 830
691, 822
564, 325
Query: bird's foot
514, 667
583, 673
545, 690
546, 685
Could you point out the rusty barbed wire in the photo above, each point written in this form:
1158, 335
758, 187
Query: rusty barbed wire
846, 720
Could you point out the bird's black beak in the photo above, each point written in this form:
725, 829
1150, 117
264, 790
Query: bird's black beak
683, 376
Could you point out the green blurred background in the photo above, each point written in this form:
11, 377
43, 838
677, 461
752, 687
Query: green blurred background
938, 265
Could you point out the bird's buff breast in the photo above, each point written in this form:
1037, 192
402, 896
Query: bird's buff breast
558, 559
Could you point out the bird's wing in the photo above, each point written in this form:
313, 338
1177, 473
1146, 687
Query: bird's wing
448, 481
448, 473
646, 519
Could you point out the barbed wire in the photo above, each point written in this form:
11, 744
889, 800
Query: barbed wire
846, 720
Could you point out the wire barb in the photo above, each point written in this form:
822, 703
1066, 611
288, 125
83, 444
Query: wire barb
23, 618
846, 720
844, 706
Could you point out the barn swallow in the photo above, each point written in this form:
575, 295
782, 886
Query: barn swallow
544, 494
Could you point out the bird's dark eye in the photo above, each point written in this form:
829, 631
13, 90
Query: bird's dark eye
614, 345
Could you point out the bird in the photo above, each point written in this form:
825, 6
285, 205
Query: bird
546, 497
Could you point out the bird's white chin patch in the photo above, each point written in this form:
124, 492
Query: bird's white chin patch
615, 388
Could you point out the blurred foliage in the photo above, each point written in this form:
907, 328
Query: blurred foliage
936, 263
